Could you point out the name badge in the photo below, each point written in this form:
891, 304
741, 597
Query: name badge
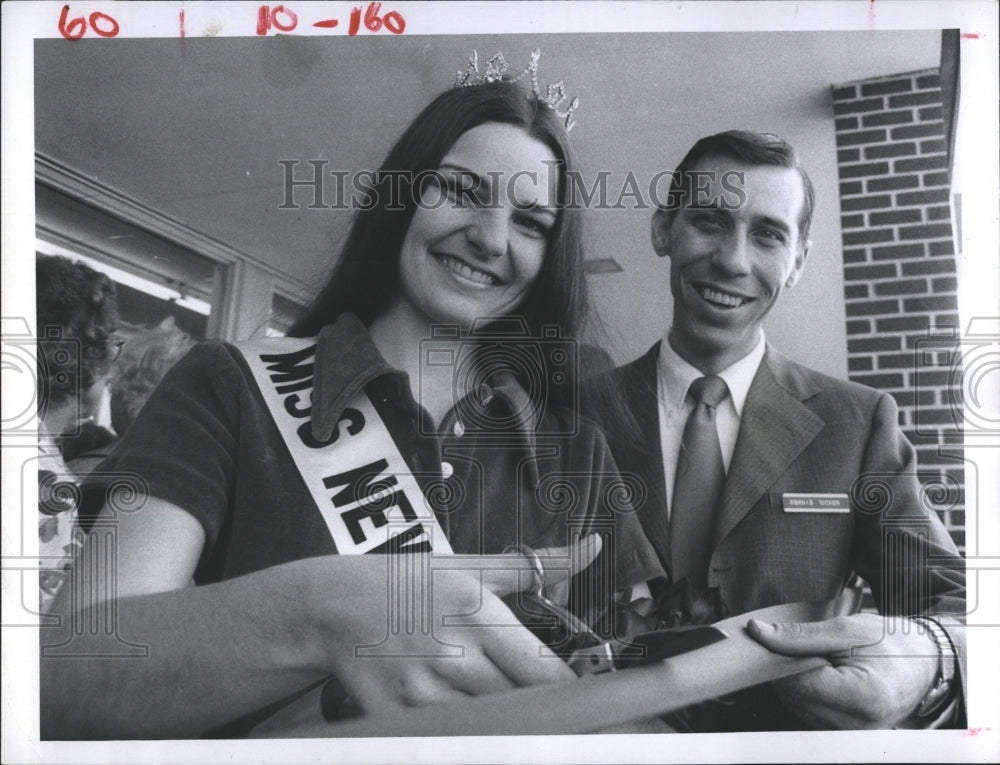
815, 503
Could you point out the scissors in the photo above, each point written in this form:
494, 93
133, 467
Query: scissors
586, 652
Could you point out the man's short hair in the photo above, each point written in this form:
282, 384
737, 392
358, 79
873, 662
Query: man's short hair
750, 148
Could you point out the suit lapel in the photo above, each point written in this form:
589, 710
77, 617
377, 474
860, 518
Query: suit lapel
639, 380
774, 429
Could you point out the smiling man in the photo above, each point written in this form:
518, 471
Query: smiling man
760, 472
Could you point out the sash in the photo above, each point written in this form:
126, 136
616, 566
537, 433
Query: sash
360, 483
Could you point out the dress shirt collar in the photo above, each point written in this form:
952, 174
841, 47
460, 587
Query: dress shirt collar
676, 375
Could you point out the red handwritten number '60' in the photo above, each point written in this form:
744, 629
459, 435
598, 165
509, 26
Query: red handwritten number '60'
373, 23
73, 29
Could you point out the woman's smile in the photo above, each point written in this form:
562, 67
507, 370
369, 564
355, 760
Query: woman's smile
465, 273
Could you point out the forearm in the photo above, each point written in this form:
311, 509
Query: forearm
221, 651
214, 653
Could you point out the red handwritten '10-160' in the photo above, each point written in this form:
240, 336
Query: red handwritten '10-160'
285, 20
73, 29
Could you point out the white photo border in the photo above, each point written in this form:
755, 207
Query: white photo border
24, 22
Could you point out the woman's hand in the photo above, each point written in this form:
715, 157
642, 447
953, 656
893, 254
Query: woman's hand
417, 629
395, 629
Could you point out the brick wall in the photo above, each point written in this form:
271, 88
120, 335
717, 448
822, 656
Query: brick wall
900, 268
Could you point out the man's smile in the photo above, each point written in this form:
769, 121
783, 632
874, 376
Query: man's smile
720, 298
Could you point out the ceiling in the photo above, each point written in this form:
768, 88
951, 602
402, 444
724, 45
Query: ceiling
196, 129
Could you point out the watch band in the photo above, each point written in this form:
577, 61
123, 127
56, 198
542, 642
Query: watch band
940, 691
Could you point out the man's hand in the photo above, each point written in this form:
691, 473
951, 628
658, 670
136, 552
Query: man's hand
439, 631
880, 668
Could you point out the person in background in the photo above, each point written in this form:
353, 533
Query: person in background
84, 450
148, 354
77, 323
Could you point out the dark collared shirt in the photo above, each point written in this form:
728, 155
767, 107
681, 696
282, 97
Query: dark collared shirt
496, 470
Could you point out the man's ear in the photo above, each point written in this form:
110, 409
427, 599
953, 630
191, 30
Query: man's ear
660, 232
800, 264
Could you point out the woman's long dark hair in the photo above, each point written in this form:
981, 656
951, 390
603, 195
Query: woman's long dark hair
365, 278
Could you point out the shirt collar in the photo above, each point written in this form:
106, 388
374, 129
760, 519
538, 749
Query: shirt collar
676, 375
347, 360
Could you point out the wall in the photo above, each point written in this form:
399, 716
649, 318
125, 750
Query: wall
900, 268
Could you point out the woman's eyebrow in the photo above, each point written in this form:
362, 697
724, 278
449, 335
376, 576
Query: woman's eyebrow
485, 182
468, 181
462, 171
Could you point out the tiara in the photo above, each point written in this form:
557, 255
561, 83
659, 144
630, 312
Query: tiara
498, 71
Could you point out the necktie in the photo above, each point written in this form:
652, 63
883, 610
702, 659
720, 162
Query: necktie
697, 485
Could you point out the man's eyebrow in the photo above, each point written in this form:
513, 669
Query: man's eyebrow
710, 204
775, 223
535, 207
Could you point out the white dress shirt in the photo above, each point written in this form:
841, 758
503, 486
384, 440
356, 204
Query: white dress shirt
674, 377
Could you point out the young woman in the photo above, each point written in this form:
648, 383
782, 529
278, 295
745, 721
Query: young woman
446, 330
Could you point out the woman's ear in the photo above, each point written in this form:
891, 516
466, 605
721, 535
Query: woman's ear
660, 232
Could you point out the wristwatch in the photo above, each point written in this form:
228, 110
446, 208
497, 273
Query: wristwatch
940, 691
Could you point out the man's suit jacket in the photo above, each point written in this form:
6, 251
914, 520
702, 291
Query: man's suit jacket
805, 432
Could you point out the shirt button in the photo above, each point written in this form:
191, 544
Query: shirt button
459, 429
447, 470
